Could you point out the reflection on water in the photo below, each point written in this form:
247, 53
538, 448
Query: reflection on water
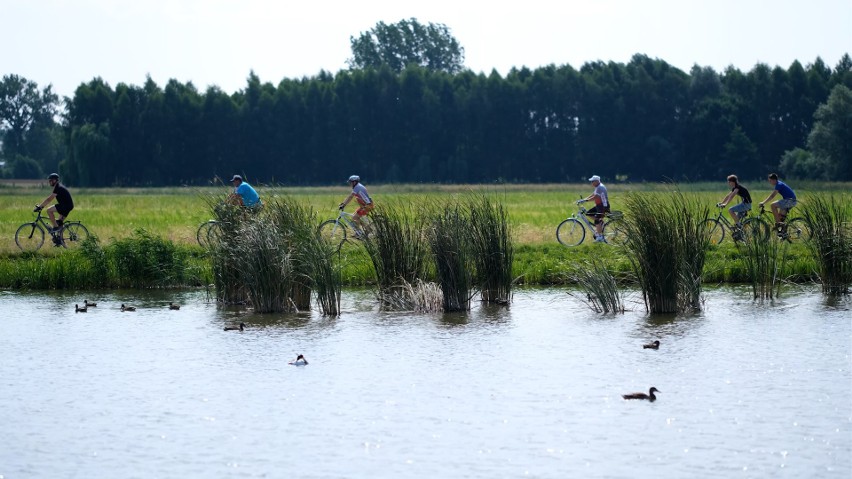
747, 389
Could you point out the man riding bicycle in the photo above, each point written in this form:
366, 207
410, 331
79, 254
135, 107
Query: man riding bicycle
359, 192
64, 203
601, 207
783, 206
739, 210
244, 194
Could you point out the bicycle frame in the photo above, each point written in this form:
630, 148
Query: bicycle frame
568, 234
335, 230
30, 236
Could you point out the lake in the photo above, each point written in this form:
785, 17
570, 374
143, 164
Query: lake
532, 390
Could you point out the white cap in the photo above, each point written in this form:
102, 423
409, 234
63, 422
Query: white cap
595, 178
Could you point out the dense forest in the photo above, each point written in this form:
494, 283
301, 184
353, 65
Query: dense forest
640, 121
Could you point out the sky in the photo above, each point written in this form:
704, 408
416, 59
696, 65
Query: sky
219, 42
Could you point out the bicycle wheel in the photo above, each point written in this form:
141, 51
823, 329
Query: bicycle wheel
333, 232
798, 229
715, 230
202, 234
613, 231
29, 237
570, 232
756, 228
73, 235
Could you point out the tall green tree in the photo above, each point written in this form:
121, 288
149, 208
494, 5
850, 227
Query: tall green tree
22, 107
831, 137
406, 42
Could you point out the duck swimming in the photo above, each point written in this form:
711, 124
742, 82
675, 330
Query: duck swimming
654, 345
241, 327
650, 396
78, 309
87, 304
127, 308
300, 361
174, 306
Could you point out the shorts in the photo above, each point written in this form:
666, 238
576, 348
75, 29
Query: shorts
598, 211
740, 208
364, 210
63, 210
787, 204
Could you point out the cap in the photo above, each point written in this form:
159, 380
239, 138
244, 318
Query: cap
53, 176
595, 178
236, 177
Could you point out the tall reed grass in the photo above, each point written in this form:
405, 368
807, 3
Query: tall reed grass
398, 248
830, 219
764, 263
666, 244
450, 242
492, 248
600, 287
273, 259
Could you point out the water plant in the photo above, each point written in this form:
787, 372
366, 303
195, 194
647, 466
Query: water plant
146, 260
492, 248
764, 262
398, 249
599, 287
830, 219
451, 246
666, 244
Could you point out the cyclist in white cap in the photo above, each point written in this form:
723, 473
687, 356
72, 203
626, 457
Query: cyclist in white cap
359, 192
601, 206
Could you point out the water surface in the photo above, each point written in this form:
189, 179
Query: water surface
533, 390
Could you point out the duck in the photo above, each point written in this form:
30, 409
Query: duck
88, 304
650, 396
241, 327
78, 309
174, 306
127, 308
300, 361
654, 345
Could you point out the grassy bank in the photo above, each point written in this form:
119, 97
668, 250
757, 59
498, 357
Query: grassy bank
174, 214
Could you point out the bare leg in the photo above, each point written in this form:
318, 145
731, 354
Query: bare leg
51, 214
734, 216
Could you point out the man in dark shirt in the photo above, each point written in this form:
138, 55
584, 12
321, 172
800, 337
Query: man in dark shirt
64, 203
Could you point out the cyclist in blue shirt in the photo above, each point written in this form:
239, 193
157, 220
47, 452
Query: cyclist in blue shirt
244, 194
781, 207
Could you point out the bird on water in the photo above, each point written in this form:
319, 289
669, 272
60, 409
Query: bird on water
648, 397
241, 327
654, 345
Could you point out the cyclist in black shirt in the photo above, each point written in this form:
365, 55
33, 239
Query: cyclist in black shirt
737, 211
64, 203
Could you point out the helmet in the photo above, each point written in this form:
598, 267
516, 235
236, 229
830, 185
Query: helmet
53, 176
354, 178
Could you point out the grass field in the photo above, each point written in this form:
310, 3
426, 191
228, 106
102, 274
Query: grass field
534, 210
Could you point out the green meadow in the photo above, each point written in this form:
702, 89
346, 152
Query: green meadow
174, 214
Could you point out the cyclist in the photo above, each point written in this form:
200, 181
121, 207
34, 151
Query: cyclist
739, 210
359, 192
601, 207
783, 206
64, 204
244, 194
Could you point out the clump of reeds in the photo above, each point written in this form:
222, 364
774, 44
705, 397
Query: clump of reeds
492, 248
450, 244
830, 242
764, 260
266, 266
600, 287
314, 266
666, 241
420, 297
398, 249
145, 260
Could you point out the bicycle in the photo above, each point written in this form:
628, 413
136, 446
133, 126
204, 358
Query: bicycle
30, 236
751, 226
335, 231
793, 230
572, 231
207, 233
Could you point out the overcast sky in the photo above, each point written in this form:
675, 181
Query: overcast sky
218, 42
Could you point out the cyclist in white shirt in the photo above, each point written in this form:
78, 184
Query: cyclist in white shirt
359, 192
601, 207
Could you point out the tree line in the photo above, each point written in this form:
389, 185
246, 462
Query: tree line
644, 120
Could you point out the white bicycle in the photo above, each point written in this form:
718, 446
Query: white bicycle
337, 230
